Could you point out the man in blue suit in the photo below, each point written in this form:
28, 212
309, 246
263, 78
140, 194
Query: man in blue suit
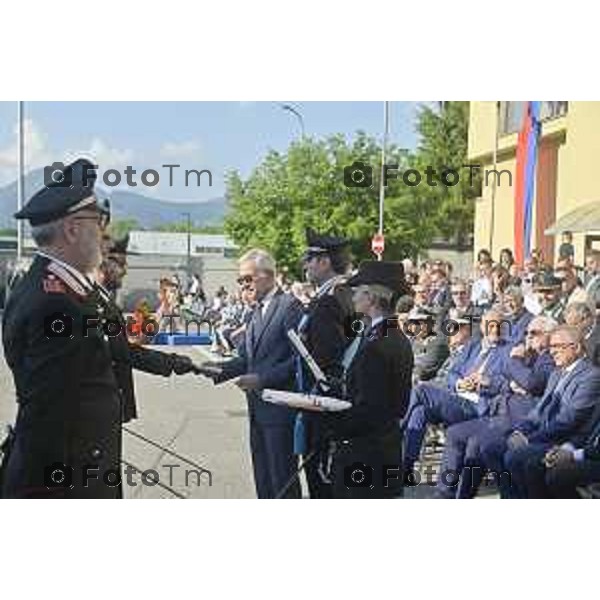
471, 383
566, 413
266, 360
565, 468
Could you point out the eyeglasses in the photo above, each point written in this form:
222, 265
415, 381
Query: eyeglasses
245, 279
102, 219
561, 346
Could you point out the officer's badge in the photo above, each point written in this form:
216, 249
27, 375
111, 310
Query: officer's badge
52, 285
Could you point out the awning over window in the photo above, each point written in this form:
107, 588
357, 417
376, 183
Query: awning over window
584, 218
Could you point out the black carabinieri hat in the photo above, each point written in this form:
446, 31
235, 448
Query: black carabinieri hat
66, 191
321, 244
381, 272
119, 247
546, 281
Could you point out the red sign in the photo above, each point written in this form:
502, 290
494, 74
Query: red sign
378, 244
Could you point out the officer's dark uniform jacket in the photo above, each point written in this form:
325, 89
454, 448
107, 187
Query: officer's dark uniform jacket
73, 392
324, 328
378, 383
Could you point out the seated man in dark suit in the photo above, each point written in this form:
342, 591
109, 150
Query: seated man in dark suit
470, 384
439, 296
457, 344
581, 315
266, 360
564, 414
564, 469
461, 304
429, 345
525, 371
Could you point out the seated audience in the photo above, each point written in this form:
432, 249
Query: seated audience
525, 371
565, 413
471, 383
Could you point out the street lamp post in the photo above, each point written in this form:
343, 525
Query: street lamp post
189, 247
20, 177
386, 126
297, 114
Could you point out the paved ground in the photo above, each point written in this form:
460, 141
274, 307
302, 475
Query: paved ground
195, 419
189, 415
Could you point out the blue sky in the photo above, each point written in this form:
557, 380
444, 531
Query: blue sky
198, 135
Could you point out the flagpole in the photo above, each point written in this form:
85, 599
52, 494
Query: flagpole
20, 176
495, 161
386, 125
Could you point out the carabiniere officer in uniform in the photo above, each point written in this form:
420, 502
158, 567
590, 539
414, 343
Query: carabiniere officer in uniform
73, 382
323, 330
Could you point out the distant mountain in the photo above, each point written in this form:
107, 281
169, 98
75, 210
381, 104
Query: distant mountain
148, 212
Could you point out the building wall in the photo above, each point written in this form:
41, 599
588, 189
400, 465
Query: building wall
576, 139
144, 272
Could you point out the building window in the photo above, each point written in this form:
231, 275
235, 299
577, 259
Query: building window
511, 113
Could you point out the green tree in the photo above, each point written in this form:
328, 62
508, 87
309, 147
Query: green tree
443, 145
305, 187
119, 228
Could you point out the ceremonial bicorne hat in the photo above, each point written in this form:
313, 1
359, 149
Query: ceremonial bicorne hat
318, 244
66, 190
381, 272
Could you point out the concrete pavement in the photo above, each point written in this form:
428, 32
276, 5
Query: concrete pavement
186, 414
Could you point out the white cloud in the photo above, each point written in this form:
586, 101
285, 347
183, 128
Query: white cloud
190, 148
101, 154
36, 152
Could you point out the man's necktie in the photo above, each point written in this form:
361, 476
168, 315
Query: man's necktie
552, 404
257, 322
482, 359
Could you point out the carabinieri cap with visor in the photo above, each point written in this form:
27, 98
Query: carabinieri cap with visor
71, 192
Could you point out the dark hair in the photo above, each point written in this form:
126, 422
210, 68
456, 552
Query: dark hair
485, 253
508, 252
340, 261
404, 304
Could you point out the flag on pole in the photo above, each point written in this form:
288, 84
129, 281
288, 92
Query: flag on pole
527, 147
